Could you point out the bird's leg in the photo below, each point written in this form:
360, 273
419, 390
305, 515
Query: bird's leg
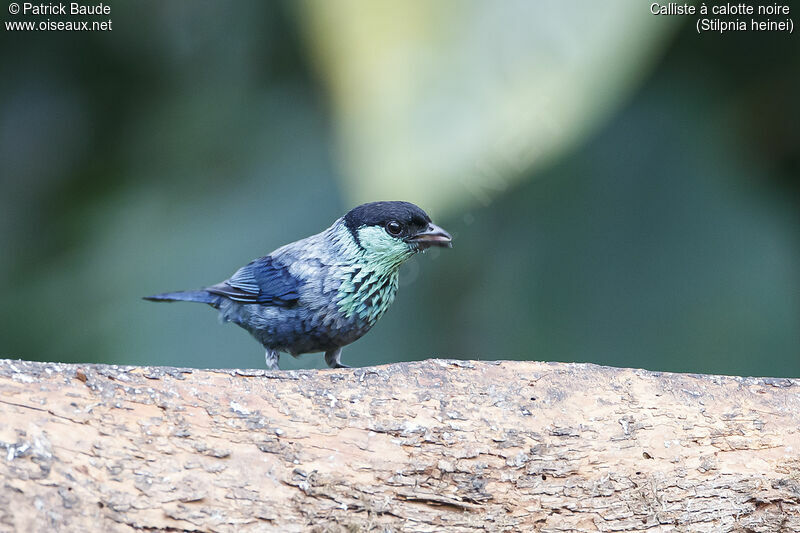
333, 358
272, 359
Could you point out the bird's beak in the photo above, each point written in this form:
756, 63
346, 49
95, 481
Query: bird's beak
433, 235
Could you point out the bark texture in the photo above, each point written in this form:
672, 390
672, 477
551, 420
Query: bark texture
429, 446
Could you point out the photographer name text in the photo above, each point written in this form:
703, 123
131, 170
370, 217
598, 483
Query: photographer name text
75, 8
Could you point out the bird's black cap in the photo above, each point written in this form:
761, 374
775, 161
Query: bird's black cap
411, 217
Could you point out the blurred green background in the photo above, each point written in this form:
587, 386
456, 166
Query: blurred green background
621, 190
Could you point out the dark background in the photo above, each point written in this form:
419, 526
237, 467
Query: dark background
197, 136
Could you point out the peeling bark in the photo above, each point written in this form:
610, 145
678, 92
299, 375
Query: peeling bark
421, 447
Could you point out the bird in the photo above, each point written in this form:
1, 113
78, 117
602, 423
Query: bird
326, 291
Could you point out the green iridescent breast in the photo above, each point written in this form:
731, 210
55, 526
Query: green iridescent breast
367, 294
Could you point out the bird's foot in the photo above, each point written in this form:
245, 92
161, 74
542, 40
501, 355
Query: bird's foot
271, 358
333, 358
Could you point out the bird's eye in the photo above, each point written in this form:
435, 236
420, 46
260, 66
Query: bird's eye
394, 228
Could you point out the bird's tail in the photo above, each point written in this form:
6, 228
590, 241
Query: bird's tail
201, 296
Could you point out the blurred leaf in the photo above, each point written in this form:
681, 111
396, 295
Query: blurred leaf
446, 103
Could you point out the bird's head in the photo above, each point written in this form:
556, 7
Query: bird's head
393, 231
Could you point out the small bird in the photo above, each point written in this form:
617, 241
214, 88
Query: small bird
327, 290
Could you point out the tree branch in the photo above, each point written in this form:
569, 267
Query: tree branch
429, 446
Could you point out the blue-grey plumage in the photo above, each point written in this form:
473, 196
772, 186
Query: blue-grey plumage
323, 292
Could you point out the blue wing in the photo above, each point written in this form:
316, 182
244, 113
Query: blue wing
263, 281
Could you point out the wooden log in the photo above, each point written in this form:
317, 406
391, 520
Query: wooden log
422, 447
